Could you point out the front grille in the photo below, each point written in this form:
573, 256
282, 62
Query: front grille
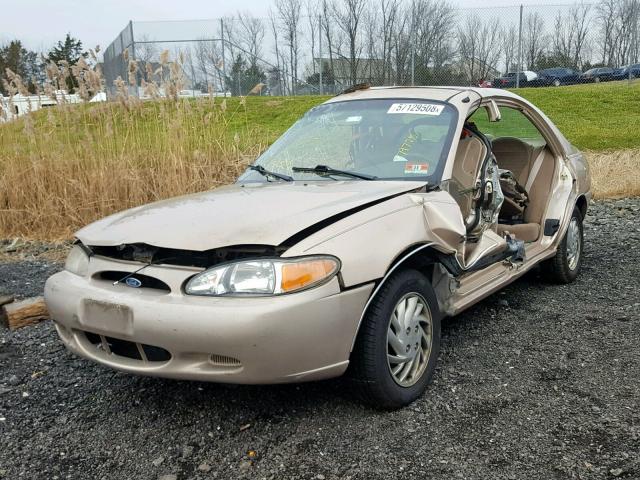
224, 361
125, 348
145, 280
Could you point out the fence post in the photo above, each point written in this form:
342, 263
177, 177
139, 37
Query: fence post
320, 51
519, 49
133, 55
224, 60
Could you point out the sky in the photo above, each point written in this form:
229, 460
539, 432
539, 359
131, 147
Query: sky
40, 23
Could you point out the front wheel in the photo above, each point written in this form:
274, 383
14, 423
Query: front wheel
565, 266
556, 83
397, 346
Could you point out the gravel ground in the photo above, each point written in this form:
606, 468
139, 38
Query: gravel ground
537, 382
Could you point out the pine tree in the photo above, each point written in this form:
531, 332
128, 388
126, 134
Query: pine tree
21, 61
69, 51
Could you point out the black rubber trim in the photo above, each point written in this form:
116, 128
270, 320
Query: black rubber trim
316, 227
551, 226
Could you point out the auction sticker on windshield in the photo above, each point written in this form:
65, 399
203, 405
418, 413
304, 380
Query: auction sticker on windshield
416, 108
419, 168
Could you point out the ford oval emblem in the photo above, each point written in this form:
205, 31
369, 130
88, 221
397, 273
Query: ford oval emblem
133, 282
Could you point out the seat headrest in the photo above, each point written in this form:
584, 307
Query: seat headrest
511, 145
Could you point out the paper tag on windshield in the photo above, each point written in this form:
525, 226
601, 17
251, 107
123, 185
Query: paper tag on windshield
418, 168
416, 108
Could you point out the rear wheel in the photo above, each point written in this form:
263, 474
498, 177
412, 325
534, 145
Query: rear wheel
397, 347
597, 79
565, 266
556, 83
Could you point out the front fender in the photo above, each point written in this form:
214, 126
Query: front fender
369, 242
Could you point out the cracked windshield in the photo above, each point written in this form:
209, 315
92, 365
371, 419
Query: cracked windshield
381, 139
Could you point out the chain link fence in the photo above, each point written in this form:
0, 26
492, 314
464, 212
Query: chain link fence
380, 42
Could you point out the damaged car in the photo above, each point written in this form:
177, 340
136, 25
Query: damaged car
339, 251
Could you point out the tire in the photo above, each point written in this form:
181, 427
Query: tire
556, 83
564, 268
377, 366
596, 80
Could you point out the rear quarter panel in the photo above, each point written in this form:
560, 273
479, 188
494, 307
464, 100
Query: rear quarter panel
582, 173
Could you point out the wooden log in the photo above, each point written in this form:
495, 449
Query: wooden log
23, 312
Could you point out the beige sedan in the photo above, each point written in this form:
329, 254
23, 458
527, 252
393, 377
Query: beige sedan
338, 251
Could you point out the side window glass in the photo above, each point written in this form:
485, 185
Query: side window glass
513, 124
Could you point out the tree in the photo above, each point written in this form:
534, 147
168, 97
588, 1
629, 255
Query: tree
146, 50
289, 13
348, 14
69, 50
326, 25
251, 35
533, 39
276, 76
244, 77
327, 76
208, 56
389, 13
313, 30
65, 54
510, 48
619, 21
432, 23
479, 47
22, 62
570, 34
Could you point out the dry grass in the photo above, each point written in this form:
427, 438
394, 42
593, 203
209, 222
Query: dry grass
615, 174
78, 164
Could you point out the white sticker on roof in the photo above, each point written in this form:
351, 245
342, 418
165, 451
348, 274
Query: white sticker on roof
416, 108
354, 119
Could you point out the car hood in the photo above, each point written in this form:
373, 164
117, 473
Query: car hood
239, 214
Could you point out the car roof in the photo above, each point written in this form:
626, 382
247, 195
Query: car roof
439, 94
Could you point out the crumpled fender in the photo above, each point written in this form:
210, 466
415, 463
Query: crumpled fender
370, 241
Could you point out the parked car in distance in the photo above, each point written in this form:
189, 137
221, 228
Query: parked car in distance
557, 76
624, 73
597, 75
338, 251
509, 80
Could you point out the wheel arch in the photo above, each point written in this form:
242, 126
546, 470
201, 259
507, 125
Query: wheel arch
422, 257
582, 205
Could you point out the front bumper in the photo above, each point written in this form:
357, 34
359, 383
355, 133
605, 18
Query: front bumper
297, 337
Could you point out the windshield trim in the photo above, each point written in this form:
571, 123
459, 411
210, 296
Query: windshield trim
437, 174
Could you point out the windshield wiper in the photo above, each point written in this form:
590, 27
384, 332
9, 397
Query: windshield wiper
267, 173
323, 170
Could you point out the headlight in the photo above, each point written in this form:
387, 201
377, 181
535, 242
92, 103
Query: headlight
263, 276
77, 261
